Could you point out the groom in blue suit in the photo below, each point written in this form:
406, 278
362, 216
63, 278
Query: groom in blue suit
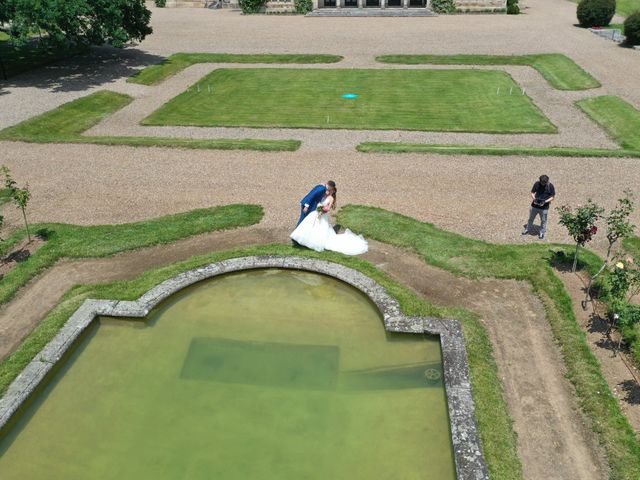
310, 202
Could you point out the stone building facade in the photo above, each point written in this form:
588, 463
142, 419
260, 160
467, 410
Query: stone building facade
284, 6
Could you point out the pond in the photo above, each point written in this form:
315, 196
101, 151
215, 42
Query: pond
254, 375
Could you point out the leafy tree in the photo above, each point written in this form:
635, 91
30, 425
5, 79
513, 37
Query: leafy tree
20, 196
80, 22
619, 227
581, 224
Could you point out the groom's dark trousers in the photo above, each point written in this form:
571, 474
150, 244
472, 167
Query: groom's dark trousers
313, 198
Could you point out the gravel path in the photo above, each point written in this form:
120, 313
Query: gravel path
474, 196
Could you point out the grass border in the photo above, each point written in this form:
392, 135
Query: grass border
498, 150
495, 424
66, 124
155, 74
574, 77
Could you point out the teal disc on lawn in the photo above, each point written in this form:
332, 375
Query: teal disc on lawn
350, 95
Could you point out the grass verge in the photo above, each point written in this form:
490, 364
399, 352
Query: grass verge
499, 440
618, 118
179, 61
391, 147
559, 70
72, 241
386, 99
66, 124
533, 263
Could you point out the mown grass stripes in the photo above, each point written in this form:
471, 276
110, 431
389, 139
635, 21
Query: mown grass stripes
177, 62
559, 70
66, 124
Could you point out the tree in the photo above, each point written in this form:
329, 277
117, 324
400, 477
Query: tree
20, 196
81, 22
618, 227
581, 224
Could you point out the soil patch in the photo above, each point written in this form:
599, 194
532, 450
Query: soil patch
19, 317
618, 369
554, 439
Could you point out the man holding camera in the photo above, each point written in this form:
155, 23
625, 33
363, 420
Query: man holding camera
542, 194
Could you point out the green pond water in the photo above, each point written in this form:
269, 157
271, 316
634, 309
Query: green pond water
268, 374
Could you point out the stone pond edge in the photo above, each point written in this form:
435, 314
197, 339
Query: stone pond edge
468, 455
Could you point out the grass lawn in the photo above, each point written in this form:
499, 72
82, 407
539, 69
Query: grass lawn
177, 62
530, 262
494, 422
391, 147
627, 7
618, 118
436, 100
559, 70
32, 55
66, 124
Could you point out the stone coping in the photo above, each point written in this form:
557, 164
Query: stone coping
469, 459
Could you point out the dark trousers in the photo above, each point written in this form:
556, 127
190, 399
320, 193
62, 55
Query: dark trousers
303, 215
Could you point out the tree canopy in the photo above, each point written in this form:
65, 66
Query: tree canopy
115, 22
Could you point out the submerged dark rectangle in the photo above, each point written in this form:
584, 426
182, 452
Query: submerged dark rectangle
270, 364
420, 375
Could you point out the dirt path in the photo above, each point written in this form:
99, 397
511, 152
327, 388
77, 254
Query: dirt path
540, 399
618, 369
554, 441
35, 300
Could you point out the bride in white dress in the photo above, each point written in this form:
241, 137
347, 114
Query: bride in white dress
315, 231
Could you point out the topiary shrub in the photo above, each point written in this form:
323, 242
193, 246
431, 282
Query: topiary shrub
252, 6
632, 29
596, 13
303, 6
443, 6
512, 7
161, 3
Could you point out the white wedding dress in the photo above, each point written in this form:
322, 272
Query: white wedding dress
315, 232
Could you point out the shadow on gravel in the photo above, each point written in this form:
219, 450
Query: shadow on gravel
97, 67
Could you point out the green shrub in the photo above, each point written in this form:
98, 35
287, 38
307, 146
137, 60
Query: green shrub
303, 6
596, 13
632, 28
161, 3
512, 7
252, 6
443, 6
628, 324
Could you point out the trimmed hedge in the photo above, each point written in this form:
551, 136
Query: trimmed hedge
252, 6
443, 6
303, 6
512, 7
632, 28
596, 13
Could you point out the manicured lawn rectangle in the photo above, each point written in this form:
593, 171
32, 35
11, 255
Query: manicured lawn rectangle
619, 119
559, 70
66, 124
177, 62
435, 100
